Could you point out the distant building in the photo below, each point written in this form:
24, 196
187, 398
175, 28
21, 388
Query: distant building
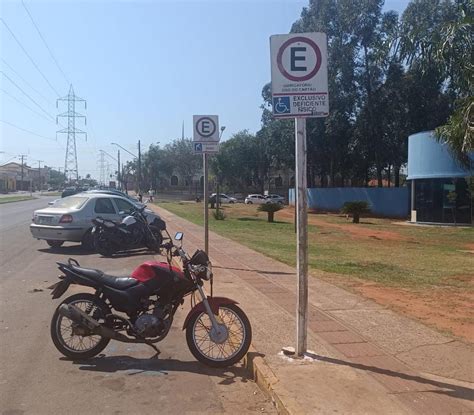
12, 179
440, 187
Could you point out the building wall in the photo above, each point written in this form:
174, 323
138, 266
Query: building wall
430, 159
389, 202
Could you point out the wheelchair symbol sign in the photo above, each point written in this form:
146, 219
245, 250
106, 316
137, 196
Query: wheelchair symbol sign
281, 105
198, 147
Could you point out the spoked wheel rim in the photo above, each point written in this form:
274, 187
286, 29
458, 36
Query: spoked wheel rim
68, 331
231, 346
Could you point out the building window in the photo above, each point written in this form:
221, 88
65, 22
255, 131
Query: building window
174, 181
442, 200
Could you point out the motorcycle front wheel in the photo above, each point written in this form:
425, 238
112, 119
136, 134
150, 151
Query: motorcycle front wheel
226, 352
76, 342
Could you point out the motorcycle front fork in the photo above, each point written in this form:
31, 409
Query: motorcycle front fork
218, 330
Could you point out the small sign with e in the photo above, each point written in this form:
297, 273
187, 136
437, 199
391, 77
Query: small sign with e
206, 128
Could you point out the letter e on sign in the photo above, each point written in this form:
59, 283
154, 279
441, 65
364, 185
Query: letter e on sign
205, 128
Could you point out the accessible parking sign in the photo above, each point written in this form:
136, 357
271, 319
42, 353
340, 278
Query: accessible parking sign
299, 75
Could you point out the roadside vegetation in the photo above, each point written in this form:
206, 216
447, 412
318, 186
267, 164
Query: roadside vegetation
381, 250
10, 199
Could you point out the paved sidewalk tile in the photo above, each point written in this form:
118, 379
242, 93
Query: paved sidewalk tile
338, 337
358, 349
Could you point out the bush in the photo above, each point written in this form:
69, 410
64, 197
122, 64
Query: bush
270, 208
218, 214
355, 208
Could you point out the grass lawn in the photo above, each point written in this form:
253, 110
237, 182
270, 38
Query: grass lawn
9, 199
379, 250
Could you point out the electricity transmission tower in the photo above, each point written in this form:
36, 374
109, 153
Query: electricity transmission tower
70, 163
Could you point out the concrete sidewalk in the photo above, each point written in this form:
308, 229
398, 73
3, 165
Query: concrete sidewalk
366, 359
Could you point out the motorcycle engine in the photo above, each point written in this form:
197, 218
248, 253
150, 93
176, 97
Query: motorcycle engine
149, 325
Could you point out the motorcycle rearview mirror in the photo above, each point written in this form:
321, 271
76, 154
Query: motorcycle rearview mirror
179, 236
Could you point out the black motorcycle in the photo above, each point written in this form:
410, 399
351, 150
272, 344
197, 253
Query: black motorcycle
134, 231
140, 309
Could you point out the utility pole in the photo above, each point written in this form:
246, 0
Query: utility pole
39, 174
102, 168
22, 156
70, 162
139, 167
119, 175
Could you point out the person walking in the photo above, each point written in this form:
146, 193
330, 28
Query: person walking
151, 193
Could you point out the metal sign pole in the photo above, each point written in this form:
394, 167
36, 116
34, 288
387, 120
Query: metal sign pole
301, 236
206, 204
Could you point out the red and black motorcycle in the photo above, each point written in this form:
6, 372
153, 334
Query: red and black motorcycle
218, 332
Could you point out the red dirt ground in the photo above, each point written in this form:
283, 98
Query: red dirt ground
354, 231
446, 309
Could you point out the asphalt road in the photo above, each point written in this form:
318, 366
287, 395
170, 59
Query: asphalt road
36, 379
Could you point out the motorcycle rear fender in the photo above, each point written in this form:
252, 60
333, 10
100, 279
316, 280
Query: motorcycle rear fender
214, 302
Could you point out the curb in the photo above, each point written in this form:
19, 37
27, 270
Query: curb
270, 385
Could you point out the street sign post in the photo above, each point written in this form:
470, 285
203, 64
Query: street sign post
300, 90
206, 141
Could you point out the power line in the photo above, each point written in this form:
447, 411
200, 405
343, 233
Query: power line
25, 81
44, 41
30, 58
27, 131
27, 106
27, 95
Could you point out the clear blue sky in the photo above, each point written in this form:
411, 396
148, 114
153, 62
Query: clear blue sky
144, 67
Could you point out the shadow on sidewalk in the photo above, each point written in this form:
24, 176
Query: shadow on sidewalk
255, 270
134, 366
451, 390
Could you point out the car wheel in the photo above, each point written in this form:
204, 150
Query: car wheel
231, 202
54, 243
249, 202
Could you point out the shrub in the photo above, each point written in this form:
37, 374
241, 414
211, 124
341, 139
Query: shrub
355, 208
270, 208
218, 214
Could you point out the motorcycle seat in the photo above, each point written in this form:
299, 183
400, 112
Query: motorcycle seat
117, 282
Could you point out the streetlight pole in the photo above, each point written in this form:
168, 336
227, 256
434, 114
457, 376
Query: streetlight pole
139, 167
134, 156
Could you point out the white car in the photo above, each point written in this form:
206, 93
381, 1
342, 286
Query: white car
255, 199
275, 199
223, 198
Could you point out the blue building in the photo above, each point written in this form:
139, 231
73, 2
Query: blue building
439, 185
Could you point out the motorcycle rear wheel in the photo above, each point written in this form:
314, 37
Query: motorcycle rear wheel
73, 345
228, 352
103, 246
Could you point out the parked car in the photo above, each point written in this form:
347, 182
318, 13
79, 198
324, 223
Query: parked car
108, 192
275, 199
118, 193
69, 191
255, 199
223, 198
70, 219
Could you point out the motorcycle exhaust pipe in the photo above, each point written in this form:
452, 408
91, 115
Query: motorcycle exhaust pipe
78, 316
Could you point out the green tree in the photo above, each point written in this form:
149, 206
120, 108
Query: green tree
455, 53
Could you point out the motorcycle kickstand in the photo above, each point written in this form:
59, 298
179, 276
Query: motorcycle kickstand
158, 351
